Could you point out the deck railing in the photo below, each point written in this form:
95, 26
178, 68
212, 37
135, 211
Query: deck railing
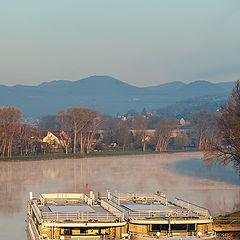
46, 196
193, 207
36, 211
120, 208
162, 199
77, 216
34, 230
128, 196
227, 221
161, 214
226, 224
114, 210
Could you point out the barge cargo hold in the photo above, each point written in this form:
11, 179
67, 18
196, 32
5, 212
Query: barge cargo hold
139, 216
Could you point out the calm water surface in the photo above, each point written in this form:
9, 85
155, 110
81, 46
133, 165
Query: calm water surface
178, 175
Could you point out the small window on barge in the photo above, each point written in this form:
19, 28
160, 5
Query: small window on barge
81, 231
191, 228
179, 227
174, 227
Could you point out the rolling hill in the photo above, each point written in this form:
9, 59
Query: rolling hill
106, 94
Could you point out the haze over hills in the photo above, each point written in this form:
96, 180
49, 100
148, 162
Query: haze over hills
106, 94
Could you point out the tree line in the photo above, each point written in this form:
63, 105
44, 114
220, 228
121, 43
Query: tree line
80, 127
84, 130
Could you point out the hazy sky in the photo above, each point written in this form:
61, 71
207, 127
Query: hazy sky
142, 42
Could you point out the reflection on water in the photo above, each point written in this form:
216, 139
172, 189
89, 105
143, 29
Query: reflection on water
196, 168
123, 173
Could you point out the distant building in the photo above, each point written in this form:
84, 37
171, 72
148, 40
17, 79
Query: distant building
51, 139
54, 140
182, 122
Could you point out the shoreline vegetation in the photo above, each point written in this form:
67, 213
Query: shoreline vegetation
57, 155
229, 218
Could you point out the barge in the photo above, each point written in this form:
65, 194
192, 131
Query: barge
75, 216
138, 216
153, 216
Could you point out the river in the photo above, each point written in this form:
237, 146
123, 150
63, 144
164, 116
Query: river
180, 175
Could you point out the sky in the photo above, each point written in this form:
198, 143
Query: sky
141, 42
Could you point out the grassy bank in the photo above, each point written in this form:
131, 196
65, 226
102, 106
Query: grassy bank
229, 216
48, 156
232, 219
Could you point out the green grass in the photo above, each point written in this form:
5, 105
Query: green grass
38, 157
55, 155
230, 215
235, 216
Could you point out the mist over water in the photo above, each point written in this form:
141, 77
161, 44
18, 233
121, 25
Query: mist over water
196, 168
175, 174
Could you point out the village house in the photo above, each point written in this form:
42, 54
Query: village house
58, 141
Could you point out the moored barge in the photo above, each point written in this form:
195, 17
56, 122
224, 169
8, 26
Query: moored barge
153, 216
139, 216
73, 216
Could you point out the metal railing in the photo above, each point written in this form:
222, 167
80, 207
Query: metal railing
115, 211
36, 211
227, 221
77, 216
129, 196
162, 199
33, 229
47, 196
193, 207
121, 209
161, 214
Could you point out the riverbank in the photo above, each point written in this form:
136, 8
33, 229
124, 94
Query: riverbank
232, 218
49, 156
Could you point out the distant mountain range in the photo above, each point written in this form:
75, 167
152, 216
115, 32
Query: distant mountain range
106, 94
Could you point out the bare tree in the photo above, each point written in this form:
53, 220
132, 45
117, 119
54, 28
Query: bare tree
65, 140
204, 128
227, 149
10, 120
140, 125
163, 131
23, 139
91, 129
121, 133
77, 120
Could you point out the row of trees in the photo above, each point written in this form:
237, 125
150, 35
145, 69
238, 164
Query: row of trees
81, 125
16, 137
137, 134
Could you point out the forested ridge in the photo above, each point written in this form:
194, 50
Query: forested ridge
110, 96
